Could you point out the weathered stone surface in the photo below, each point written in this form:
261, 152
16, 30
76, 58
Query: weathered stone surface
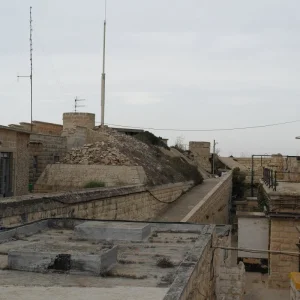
126, 203
112, 231
34, 260
213, 208
64, 177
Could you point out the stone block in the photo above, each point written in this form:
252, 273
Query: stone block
41, 262
113, 231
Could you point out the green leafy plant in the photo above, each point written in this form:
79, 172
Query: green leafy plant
94, 184
149, 138
190, 172
238, 183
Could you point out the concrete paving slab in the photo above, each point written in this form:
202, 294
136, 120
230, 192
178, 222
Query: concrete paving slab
112, 231
79, 293
41, 262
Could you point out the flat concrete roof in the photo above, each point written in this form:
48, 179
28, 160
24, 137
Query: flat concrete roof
14, 129
284, 188
133, 130
144, 269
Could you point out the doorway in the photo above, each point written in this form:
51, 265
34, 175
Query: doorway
6, 174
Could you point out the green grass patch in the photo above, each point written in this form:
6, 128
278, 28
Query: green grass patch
94, 184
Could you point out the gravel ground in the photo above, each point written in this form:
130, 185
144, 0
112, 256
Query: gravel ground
257, 289
74, 293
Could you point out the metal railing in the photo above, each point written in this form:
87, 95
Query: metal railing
271, 178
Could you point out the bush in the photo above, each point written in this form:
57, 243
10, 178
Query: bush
238, 183
179, 145
165, 262
150, 139
94, 184
189, 172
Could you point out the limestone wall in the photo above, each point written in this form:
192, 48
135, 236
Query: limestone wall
214, 207
71, 120
44, 150
201, 154
127, 203
22, 165
195, 279
283, 237
230, 284
201, 285
64, 177
16, 143
275, 162
47, 128
79, 136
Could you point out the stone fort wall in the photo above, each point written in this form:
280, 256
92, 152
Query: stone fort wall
214, 207
137, 203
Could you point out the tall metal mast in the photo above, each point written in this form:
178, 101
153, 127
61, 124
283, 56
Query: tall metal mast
30, 76
103, 74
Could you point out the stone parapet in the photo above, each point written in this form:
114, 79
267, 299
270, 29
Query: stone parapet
137, 203
214, 207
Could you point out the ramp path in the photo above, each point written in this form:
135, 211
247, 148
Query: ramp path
231, 163
182, 206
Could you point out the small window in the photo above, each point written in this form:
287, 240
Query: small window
35, 162
56, 159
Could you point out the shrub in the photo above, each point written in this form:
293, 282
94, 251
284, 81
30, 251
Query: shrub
238, 183
189, 172
164, 262
149, 138
94, 184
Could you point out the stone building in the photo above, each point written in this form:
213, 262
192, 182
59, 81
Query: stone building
46, 146
201, 154
44, 149
283, 212
14, 161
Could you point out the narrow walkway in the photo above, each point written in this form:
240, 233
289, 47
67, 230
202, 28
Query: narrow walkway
182, 206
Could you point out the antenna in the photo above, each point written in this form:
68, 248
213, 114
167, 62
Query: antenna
103, 73
76, 103
30, 76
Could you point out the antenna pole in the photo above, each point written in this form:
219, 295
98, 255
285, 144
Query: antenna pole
76, 103
31, 50
30, 76
103, 73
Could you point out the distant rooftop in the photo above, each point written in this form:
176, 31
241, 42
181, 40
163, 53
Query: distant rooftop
17, 129
129, 131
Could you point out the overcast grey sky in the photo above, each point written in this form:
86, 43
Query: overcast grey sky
189, 64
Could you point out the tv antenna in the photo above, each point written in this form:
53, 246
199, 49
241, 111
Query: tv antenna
76, 105
103, 73
30, 76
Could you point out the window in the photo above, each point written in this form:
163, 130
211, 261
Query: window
56, 159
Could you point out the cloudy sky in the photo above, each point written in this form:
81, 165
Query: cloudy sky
175, 64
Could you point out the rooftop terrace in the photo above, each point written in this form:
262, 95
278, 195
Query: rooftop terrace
59, 259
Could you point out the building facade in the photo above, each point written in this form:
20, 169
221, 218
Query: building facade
14, 162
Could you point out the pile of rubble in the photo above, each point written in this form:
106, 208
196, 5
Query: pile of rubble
100, 153
115, 148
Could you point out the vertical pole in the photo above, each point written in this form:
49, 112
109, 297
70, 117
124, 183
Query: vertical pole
103, 78
31, 49
213, 158
252, 174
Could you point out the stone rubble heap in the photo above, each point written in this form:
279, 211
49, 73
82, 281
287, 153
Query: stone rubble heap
100, 153
116, 148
